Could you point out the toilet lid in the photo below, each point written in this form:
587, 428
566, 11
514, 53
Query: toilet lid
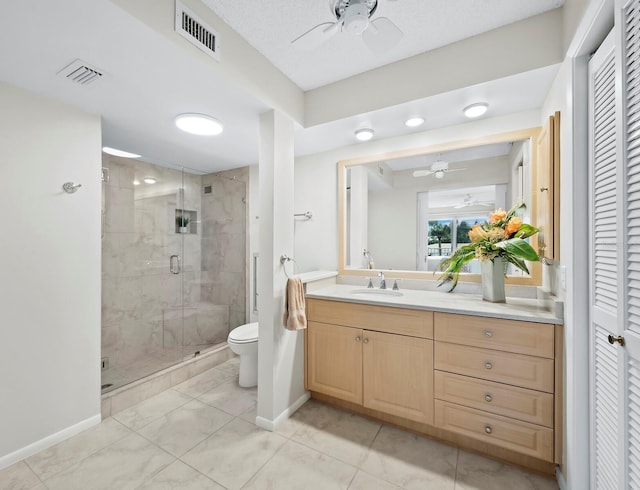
245, 333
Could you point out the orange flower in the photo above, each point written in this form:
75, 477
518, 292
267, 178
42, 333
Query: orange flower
497, 215
477, 233
513, 225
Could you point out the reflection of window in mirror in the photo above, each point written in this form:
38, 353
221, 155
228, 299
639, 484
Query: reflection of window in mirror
445, 218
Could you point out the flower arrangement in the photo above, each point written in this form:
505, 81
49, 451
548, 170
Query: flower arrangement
503, 236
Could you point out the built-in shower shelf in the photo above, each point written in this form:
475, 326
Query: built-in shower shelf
190, 219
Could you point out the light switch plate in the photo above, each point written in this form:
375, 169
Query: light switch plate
563, 277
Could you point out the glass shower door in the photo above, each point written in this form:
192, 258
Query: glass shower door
145, 263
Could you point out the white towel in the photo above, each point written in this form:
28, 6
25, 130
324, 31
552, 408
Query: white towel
295, 317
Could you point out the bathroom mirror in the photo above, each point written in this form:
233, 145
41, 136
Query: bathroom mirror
404, 211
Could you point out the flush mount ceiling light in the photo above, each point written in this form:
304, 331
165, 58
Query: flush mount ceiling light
119, 153
136, 182
476, 110
149, 180
199, 124
364, 134
413, 122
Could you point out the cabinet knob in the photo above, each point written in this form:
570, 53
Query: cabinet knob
488, 333
488, 398
365, 340
358, 339
488, 429
488, 365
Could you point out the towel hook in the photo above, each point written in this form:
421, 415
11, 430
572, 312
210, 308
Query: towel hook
70, 187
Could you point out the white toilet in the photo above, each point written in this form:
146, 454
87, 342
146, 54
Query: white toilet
243, 340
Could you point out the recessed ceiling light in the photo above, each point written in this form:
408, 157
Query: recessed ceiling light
412, 122
119, 153
149, 180
199, 124
364, 134
476, 110
136, 182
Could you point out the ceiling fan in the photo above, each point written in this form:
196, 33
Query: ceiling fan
470, 201
438, 169
353, 17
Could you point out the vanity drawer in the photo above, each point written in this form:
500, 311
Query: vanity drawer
522, 437
530, 338
518, 403
536, 373
403, 321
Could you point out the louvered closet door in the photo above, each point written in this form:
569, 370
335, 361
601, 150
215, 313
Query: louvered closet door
630, 61
606, 403
615, 253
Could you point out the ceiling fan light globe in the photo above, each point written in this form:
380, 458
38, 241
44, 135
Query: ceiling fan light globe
439, 174
356, 19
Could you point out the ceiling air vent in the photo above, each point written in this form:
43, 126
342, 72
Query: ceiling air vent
197, 32
80, 72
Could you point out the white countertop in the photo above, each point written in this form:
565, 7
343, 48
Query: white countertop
465, 304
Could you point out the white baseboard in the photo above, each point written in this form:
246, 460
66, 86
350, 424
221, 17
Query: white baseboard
562, 484
49, 441
272, 425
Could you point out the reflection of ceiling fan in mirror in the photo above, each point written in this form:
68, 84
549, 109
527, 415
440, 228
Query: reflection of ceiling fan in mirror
438, 169
353, 17
470, 201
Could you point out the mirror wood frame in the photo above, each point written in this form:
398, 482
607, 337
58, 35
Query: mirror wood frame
535, 270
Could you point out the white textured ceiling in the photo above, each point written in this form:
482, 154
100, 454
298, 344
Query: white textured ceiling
270, 26
148, 79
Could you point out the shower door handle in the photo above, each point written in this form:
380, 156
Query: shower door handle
174, 264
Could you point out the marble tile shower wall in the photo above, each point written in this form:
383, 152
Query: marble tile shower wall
224, 231
142, 305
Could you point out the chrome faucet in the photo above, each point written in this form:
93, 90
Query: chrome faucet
370, 283
395, 285
383, 283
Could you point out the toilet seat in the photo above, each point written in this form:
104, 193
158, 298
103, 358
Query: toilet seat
244, 334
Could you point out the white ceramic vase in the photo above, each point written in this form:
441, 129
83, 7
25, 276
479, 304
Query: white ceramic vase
493, 280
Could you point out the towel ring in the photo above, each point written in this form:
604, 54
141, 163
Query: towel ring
283, 260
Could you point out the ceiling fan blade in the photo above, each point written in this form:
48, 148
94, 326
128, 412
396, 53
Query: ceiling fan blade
381, 35
458, 206
421, 173
317, 35
455, 169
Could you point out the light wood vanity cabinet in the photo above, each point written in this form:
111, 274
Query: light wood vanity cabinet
495, 381
352, 356
488, 384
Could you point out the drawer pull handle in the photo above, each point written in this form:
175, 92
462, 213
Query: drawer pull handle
488, 365
488, 429
488, 398
358, 339
488, 333
365, 340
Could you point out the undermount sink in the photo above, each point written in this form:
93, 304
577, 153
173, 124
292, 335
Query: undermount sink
374, 291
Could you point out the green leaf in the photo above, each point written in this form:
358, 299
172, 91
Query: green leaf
519, 263
451, 266
526, 231
519, 248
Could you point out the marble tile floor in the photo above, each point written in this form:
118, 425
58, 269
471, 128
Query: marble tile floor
200, 435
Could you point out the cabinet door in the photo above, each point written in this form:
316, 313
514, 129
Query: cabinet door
334, 361
398, 375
